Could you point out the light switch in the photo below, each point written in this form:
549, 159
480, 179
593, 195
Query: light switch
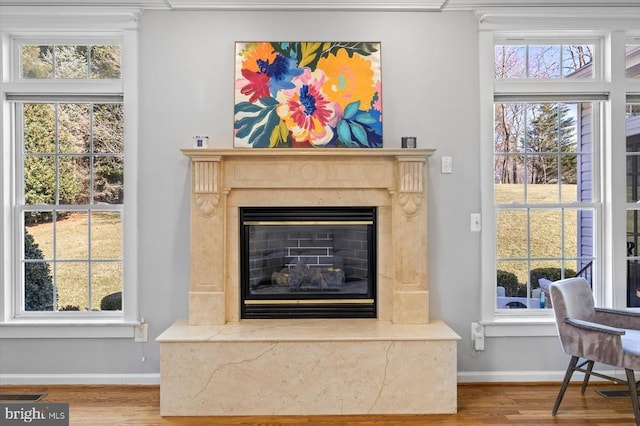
447, 164
475, 223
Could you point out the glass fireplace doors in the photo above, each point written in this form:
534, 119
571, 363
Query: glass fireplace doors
308, 262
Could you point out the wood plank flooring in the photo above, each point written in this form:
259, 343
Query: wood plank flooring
478, 404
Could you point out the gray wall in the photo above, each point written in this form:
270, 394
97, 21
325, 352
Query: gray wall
430, 90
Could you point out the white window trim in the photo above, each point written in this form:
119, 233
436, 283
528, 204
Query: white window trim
60, 24
612, 216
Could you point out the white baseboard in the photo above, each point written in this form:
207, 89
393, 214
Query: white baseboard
530, 376
80, 379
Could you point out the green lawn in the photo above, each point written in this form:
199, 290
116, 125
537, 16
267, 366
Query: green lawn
106, 276
549, 228
73, 276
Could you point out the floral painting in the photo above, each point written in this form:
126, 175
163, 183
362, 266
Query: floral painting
308, 94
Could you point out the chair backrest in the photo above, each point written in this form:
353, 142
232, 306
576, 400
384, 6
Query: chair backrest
574, 297
571, 298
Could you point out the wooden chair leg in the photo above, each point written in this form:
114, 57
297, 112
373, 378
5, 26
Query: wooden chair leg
587, 375
633, 393
567, 377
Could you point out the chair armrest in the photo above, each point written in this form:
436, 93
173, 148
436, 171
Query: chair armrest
619, 312
593, 341
587, 325
617, 318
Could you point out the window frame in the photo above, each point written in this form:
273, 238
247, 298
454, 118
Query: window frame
608, 83
21, 207
594, 205
16, 30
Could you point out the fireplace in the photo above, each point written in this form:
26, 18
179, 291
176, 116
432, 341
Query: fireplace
308, 262
391, 359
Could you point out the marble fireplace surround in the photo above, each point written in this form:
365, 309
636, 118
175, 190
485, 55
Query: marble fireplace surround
214, 363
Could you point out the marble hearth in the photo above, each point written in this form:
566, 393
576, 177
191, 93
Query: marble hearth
403, 361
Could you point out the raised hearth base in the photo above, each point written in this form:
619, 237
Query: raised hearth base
295, 367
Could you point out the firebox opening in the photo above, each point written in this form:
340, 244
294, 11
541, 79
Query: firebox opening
308, 262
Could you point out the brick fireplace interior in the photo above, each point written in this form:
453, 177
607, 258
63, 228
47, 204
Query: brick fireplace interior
398, 360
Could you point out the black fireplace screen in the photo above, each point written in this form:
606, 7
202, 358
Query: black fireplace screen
308, 262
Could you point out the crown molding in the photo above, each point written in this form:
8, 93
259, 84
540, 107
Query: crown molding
309, 5
338, 5
548, 4
73, 18
91, 3
563, 18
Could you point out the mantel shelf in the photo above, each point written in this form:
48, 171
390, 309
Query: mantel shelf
297, 152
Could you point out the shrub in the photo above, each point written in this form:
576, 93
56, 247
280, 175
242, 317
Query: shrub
552, 274
509, 281
38, 283
69, 308
111, 302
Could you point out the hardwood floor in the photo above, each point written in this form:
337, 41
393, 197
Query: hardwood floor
478, 404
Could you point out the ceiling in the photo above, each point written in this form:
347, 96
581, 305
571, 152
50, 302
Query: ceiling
408, 5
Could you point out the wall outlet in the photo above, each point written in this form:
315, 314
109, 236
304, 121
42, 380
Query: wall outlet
477, 336
141, 332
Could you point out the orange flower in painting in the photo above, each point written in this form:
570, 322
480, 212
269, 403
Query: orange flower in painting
256, 53
349, 79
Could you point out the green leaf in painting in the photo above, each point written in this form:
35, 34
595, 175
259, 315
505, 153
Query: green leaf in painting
248, 126
269, 102
261, 136
256, 139
246, 107
364, 49
365, 118
279, 135
344, 133
351, 109
308, 53
244, 126
359, 132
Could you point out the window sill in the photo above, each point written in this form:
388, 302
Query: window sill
66, 330
520, 327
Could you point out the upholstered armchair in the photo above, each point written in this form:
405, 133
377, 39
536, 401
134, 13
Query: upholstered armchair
606, 336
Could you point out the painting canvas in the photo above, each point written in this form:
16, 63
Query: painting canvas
308, 94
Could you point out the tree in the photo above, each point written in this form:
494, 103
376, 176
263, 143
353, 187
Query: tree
67, 129
108, 139
33, 65
507, 133
542, 128
41, 168
551, 129
105, 61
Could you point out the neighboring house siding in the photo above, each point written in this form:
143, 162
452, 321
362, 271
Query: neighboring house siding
585, 168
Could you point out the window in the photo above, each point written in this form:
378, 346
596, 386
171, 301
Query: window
72, 140
546, 196
62, 61
551, 143
544, 61
71, 205
543, 189
632, 130
632, 63
69, 183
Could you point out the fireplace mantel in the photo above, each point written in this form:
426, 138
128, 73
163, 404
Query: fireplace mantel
393, 180
400, 362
